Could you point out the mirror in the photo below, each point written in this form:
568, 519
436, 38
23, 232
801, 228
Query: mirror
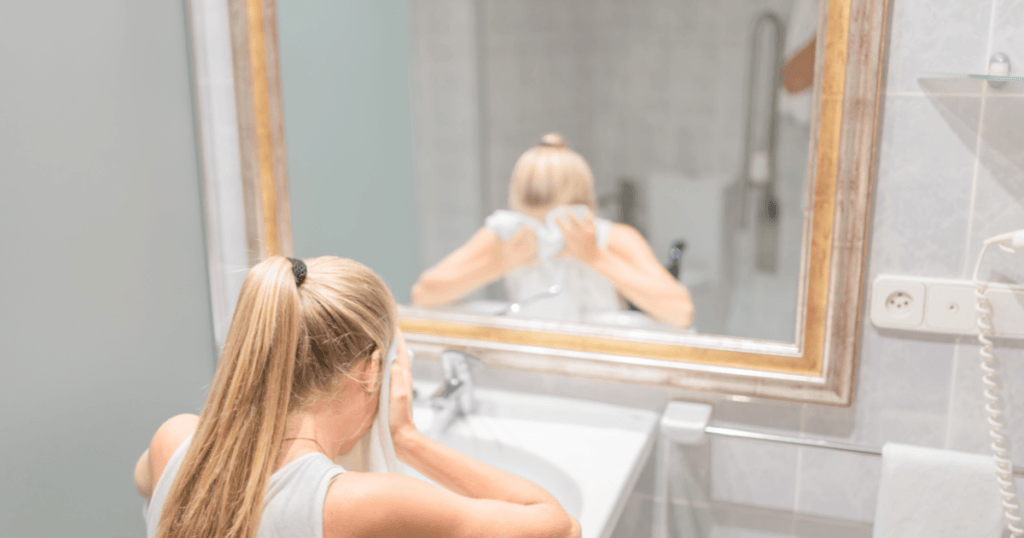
667, 123
665, 192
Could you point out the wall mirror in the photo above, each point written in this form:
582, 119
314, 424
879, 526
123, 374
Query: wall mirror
668, 192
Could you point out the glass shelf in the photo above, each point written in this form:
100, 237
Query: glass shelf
992, 78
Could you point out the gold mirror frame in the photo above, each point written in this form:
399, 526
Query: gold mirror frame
818, 368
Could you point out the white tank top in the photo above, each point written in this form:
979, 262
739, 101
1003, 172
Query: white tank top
583, 288
292, 508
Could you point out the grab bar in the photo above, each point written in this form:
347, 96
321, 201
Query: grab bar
688, 422
815, 443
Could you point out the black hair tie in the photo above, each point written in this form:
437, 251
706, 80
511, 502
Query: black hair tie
299, 270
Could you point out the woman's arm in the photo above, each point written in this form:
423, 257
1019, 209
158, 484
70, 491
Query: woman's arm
632, 266
144, 482
629, 263
167, 439
482, 260
436, 461
394, 506
478, 501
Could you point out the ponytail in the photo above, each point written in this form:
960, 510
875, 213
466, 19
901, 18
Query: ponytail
218, 491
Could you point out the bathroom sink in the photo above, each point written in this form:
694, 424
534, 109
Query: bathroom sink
521, 463
587, 455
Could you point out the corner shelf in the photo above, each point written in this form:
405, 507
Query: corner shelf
990, 78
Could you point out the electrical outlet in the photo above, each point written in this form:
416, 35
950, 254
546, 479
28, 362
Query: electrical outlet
951, 307
944, 305
897, 302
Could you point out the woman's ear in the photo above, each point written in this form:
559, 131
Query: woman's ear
373, 368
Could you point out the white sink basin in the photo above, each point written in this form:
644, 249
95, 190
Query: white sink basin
587, 455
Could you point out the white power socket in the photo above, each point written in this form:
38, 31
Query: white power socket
944, 305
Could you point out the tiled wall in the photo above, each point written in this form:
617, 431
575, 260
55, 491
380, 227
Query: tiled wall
950, 174
446, 124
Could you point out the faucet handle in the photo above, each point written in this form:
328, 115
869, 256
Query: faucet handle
455, 367
446, 389
455, 364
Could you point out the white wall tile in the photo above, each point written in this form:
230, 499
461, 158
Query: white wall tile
837, 484
445, 125
946, 36
1008, 38
739, 521
810, 527
922, 189
902, 393
635, 520
999, 194
968, 420
765, 415
753, 473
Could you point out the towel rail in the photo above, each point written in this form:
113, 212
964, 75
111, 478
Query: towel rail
815, 443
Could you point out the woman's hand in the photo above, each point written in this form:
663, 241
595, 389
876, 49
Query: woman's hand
400, 404
520, 250
580, 237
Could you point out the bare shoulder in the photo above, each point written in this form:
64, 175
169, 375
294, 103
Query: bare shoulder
168, 438
624, 232
625, 238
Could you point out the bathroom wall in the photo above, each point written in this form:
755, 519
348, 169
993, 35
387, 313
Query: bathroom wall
105, 318
950, 173
348, 126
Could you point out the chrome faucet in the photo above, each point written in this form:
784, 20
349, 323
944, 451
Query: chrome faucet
454, 398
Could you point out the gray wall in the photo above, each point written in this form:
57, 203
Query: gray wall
105, 318
348, 123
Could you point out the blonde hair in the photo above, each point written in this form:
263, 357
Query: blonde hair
287, 345
549, 175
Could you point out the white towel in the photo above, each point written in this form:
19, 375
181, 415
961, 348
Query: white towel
550, 241
375, 452
927, 492
583, 288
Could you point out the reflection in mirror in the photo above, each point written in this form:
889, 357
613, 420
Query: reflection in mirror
558, 260
422, 141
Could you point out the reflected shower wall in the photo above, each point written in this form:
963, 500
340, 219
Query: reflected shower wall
649, 91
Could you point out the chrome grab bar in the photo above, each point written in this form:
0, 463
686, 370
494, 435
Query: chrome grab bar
815, 443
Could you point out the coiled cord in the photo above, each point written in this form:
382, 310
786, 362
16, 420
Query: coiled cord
1004, 465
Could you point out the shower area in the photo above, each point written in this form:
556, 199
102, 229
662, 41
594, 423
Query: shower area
676, 105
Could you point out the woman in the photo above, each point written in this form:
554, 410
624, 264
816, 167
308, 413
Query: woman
296, 387
550, 240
